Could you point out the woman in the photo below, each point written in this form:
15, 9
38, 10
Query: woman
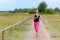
36, 22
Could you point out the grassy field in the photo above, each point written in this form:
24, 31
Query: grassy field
7, 19
20, 32
52, 22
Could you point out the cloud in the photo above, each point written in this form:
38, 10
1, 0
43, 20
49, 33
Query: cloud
6, 1
52, 1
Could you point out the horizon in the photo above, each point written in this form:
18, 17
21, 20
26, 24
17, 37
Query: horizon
6, 5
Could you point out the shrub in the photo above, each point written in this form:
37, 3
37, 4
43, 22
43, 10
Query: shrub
49, 11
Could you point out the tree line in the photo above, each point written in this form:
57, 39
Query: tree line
42, 9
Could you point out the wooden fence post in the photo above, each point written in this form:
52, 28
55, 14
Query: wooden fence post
2, 35
11, 31
15, 26
19, 24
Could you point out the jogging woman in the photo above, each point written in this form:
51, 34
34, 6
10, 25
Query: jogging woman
36, 17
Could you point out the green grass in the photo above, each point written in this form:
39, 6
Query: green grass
19, 32
24, 27
7, 19
52, 22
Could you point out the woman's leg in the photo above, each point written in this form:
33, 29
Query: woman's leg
37, 28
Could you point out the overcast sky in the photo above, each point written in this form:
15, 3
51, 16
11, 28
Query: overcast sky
12, 4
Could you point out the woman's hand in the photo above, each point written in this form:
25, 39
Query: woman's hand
33, 16
36, 17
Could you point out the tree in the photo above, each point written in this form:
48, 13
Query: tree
42, 6
16, 10
57, 9
50, 11
31, 11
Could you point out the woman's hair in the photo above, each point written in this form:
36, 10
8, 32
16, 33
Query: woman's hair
35, 10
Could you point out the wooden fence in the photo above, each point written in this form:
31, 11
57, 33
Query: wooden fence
10, 27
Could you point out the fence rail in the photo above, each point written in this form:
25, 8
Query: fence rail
10, 27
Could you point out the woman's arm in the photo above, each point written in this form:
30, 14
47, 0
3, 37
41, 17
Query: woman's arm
40, 17
33, 16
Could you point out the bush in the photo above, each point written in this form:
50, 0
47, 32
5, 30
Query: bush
31, 11
49, 11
